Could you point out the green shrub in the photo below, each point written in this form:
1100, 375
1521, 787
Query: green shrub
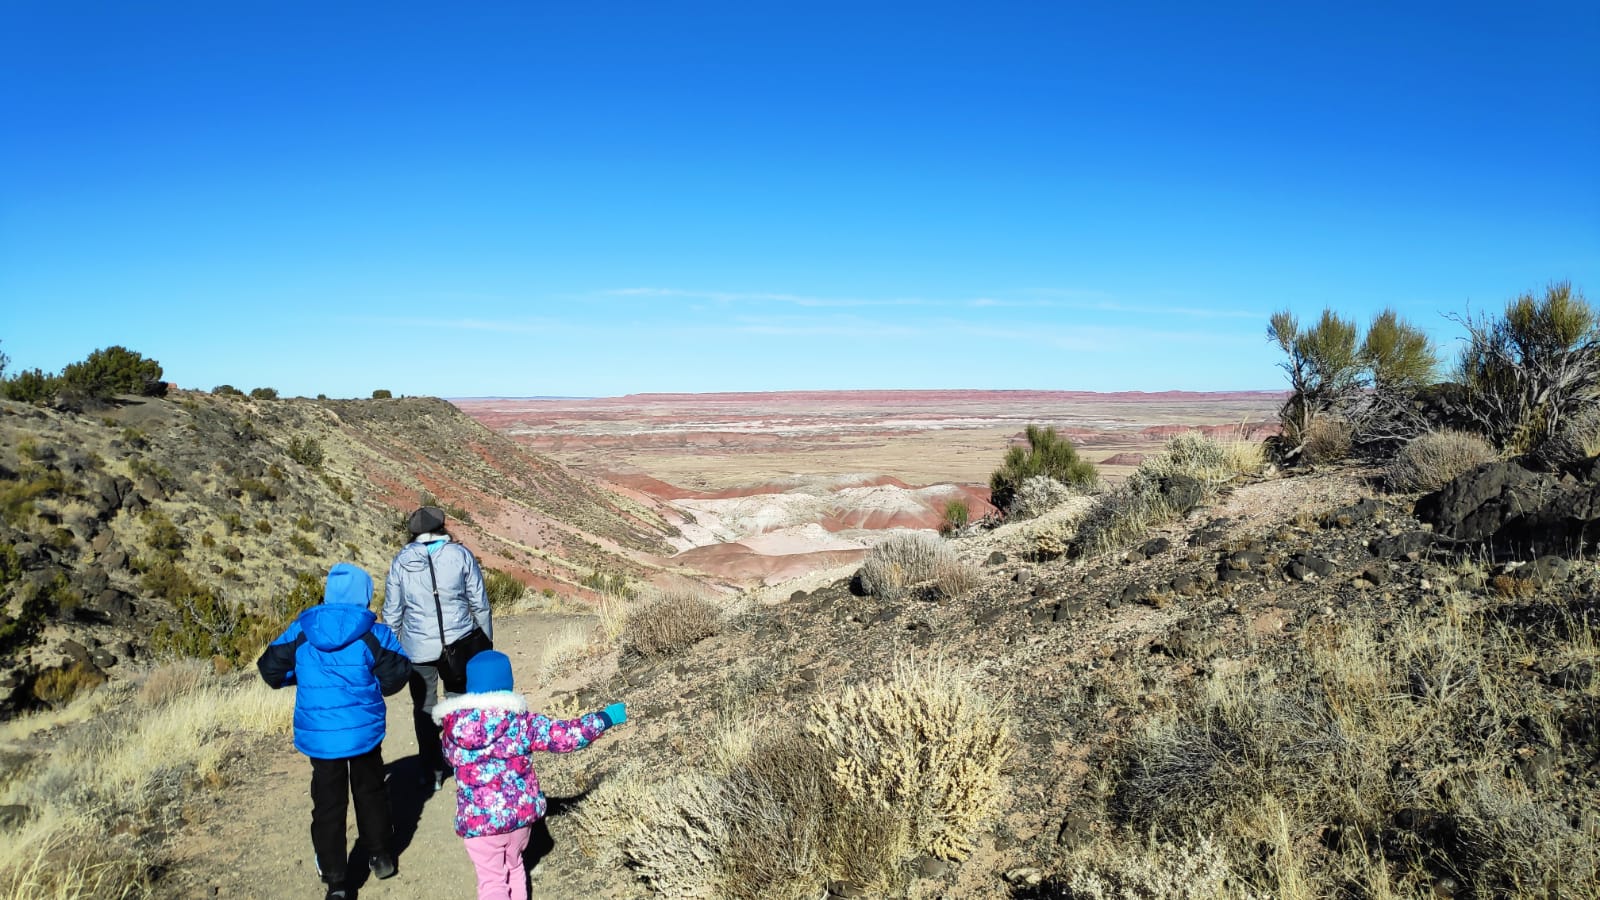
1047, 454
307, 451
17, 496
956, 515
264, 393
1527, 372
114, 370
381, 394
1370, 383
503, 588
30, 386
227, 390
161, 535
303, 544
10, 565
263, 526
304, 523
612, 584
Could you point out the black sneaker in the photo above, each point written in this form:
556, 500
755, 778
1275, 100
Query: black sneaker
335, 892
382, 866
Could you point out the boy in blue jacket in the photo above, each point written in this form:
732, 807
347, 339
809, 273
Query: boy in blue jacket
343, 664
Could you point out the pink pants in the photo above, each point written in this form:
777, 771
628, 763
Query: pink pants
498, 859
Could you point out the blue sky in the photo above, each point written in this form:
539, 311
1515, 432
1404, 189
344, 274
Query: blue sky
595, 199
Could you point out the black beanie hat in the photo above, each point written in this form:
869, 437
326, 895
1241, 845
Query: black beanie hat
427, 520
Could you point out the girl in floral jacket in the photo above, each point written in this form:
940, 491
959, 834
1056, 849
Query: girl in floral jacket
489, 735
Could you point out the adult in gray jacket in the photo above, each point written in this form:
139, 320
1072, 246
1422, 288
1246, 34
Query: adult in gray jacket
432, 565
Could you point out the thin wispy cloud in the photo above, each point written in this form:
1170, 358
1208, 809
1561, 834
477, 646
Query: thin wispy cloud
1058, 299
732, 297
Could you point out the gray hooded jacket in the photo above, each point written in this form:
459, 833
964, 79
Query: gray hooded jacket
408, 596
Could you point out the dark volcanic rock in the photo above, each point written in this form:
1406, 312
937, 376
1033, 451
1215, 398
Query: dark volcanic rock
1515, 510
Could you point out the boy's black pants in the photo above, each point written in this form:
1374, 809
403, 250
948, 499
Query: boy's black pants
333, 781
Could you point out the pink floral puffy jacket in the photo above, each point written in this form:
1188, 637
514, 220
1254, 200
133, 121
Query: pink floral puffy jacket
488, 738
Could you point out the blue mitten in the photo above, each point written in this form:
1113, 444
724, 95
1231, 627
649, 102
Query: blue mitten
617, 713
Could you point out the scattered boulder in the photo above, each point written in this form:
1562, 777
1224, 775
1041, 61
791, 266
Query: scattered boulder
1509, 508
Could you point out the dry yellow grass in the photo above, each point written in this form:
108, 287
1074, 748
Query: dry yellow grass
140, 756
1278, 761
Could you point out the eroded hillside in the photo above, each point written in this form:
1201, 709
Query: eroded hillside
197, 524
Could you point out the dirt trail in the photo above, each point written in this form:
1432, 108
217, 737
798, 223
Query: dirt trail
256, 842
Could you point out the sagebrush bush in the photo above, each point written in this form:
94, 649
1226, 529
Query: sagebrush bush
674, 622
925, 744
881, 773
1047, 454
1036, 496
895, 564
1434, 458
1524, 373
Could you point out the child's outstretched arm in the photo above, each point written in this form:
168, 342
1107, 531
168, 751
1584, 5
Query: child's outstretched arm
567, 735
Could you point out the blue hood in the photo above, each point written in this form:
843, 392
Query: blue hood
343, 616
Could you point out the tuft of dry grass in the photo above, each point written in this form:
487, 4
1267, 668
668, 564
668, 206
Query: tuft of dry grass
672, 623
1434, 458
1356, 748
1328, 440
954, 578
571, 644
904, 560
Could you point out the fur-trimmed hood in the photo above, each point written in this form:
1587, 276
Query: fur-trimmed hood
479, 721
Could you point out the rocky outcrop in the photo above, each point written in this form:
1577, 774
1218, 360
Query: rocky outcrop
1514, 511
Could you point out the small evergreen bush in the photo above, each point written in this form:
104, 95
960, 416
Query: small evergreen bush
381, 394
307, 451
263, 393
503, 588
1047, 454
114, 370
957, 513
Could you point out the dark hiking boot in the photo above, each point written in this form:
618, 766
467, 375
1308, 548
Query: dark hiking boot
335, 892
382, 865
434, 781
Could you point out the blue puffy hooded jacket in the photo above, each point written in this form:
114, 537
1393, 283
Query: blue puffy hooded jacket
343, 665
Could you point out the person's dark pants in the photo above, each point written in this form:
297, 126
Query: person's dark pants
424, 684
333, 781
